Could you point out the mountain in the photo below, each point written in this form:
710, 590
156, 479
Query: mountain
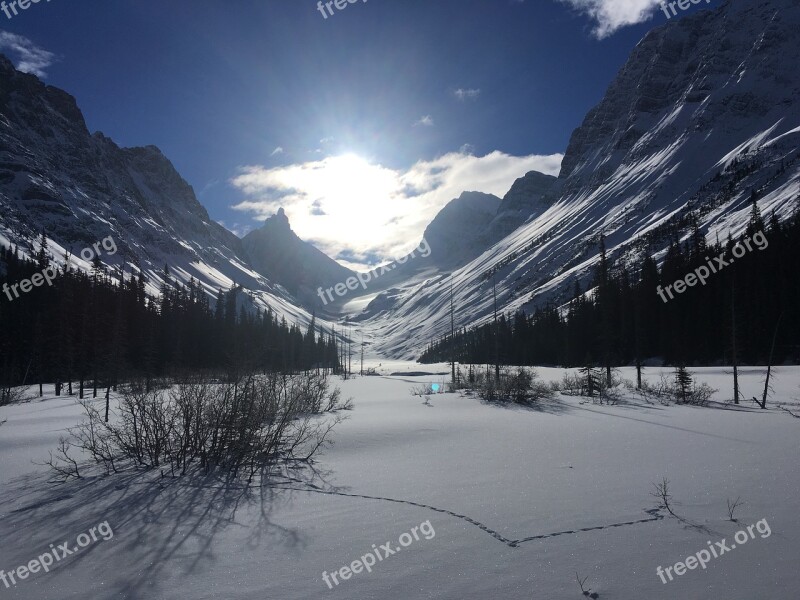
529, 197
80, 188
704, 116
276, 252
455, 232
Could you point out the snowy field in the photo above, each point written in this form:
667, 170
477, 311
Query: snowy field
519, 500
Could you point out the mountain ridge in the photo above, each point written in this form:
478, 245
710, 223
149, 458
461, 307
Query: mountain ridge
704, 112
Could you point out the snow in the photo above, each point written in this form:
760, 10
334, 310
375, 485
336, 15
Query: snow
479, 473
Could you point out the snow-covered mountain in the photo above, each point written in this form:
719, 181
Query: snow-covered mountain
276, 252
705, 111
529, 197
455, 233
80, 188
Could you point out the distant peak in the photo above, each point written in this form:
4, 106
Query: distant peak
6, 64
279, 219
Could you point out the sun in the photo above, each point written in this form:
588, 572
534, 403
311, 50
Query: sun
355, 191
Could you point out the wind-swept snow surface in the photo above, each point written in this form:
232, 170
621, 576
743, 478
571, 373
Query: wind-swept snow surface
519, 499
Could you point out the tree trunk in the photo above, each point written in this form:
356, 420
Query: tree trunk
638, 374
733, 345
763, 403
108, 394
496, 330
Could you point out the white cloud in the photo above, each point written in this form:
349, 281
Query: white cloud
277, 150
611, 15
464, 94
237, 229
30, 58
426, 121
351, 207
467, 149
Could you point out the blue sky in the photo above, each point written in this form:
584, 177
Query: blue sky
369, 120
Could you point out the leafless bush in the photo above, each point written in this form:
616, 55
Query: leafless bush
661, 491
591, 384
660, 391
63, 465
541, 390
520, 386
572, 384
665, 391
732, 506
240, 427
11, 395
702, 394
422, 390
584, 590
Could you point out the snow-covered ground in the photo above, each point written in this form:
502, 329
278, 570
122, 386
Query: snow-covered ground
519, 499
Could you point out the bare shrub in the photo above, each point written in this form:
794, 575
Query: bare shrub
519, 386
11, 395
610, 392
584, 590
661, 492
572, 384
663, 390
668, 390
588, 382
63, 465
240, 427
702, 394
652, 392
732, 506
422, 390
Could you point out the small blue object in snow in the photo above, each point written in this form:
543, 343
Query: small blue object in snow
435, 387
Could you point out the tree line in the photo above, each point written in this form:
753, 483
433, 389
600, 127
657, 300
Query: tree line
99, 328
745, 313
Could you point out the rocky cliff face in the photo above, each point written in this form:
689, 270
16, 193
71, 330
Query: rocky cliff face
276, 252
455, 234
528, 198
703, 81
80, 188
57, 176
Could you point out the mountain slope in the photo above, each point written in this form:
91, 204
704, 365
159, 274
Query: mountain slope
455, 232
705, 112
529, 197
276, 252
80, 188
